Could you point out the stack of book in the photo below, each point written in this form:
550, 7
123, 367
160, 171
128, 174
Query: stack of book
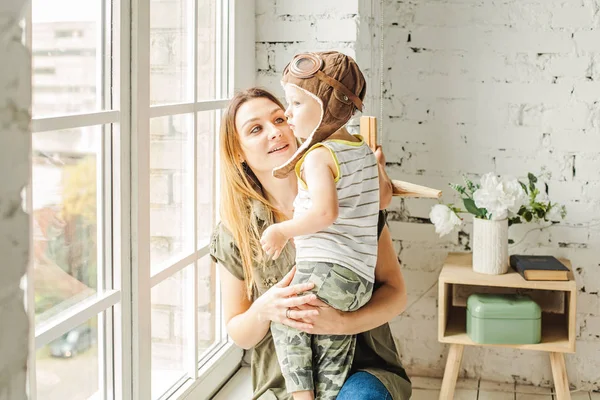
539, 268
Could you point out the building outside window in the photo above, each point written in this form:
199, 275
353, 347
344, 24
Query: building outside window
127, 99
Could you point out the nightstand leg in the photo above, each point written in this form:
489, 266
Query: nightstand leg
451, 373
559, 372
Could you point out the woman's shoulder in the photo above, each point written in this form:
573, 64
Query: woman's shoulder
224, 251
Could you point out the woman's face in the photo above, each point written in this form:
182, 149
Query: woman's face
266, 139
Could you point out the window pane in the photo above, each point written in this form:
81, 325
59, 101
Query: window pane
209, 333
170, 328
68, 367
66, 171
171, 208
207, 49
207, 134
171, 51
65, 57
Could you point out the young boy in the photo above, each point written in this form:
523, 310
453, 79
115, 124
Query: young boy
335, 216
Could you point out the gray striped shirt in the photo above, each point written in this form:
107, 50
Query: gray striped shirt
351, 241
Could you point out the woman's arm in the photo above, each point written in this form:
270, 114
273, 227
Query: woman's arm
248, 322
243, 324
388, 301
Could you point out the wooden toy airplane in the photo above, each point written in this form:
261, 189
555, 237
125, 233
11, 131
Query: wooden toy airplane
368, 130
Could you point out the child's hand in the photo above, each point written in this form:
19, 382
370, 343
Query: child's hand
379, 156
386, 188
273, 241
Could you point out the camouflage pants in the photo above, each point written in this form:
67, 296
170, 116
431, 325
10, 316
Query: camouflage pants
329, 356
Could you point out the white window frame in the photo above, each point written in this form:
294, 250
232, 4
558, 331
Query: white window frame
101, 305
125, 329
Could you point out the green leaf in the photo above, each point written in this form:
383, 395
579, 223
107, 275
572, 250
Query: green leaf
532, 178
514, 220
469, 183
532, 182
460, 189
472, 208
524, 187
528, 216
540, 213
510, 241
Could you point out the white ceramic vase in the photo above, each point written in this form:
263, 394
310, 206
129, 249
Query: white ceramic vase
490, 246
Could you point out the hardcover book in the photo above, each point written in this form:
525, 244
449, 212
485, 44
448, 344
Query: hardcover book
539, 268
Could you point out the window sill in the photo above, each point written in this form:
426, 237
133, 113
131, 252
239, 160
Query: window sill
238, 387
213, 375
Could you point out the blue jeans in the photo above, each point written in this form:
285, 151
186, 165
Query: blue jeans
363, 386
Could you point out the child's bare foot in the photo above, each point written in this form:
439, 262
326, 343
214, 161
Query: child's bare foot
304, 395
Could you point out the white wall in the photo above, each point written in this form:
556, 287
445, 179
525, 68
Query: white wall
472, 86
15, 101
508, 87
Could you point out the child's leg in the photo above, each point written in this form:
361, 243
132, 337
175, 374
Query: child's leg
333, 359
344, 290
294, 352
293, 348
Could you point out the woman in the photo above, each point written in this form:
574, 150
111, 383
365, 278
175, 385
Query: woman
254, 139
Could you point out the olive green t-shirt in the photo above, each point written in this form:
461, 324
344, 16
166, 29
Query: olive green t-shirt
375, 349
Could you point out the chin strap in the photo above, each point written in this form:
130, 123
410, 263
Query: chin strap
339, 86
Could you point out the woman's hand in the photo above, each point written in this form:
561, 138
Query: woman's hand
273, 241
274, 304
326, 321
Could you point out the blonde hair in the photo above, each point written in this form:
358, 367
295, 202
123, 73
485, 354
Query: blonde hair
240, 189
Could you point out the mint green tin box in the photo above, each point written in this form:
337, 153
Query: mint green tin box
503, 319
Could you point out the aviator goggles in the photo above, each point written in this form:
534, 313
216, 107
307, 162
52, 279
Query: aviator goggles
307, 65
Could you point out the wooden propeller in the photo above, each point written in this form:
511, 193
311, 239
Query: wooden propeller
368, 130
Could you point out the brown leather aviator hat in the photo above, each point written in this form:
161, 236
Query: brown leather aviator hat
333, 79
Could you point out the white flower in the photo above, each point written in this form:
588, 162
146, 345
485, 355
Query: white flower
444, 219
555, 213
500, 197
514, 195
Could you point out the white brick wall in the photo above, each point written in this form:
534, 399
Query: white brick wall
15, 102
508, 87
472, 87
316, 7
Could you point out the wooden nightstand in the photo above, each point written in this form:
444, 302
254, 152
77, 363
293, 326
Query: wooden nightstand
558, 330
